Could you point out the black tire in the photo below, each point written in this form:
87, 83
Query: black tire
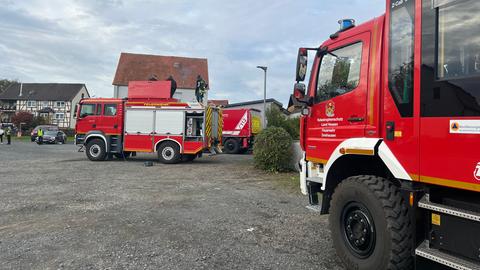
231, 146
96, 150
370, 224
188, 158
169, 153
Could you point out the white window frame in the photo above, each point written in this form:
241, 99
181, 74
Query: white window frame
44, 104
31, 103
57, 118
62, 104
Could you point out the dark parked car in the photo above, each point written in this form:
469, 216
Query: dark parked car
33, 135
53, 137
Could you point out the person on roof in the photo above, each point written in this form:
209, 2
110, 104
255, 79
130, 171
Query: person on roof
200, 89
173, 86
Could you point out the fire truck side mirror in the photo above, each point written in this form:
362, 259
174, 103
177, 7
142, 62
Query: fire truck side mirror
299, 91
299, 94
302, 63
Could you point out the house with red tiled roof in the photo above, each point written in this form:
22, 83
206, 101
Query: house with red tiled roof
142, 67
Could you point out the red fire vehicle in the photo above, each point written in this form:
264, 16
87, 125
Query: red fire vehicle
239, 129
149, 120
390, 133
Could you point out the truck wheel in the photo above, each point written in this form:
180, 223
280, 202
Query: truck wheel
232, 146
370, 225
169, 153
96, 150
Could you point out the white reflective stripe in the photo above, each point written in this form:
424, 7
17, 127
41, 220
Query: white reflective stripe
167, 139
355, 143
392, 162
231, 132
243, 121
98, 136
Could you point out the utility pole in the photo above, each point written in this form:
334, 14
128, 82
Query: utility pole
264, 68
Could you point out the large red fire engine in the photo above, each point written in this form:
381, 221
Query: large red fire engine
149, 120
390, 130
239, 129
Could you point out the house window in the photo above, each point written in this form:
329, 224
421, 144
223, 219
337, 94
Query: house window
59, 104
44, 104
44, 115
59, 116
31, 103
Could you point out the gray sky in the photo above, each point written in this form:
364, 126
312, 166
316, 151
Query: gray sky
80, 41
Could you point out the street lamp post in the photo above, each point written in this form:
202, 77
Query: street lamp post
264, 68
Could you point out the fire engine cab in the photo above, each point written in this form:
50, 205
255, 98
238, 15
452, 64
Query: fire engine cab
390, 133
150, 121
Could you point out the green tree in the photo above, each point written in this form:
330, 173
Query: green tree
5, 83
275, 118
272, 150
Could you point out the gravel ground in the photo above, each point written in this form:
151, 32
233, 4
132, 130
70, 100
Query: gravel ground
65, 212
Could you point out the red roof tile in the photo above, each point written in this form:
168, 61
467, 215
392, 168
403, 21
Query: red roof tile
218, 102
140, 67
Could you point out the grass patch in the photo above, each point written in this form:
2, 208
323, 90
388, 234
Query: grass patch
288, 181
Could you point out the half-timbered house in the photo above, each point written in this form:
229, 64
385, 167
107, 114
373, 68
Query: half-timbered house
53, 101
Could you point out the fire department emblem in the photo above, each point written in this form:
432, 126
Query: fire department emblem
330, 109
476, 173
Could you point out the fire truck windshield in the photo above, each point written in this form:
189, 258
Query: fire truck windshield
87, 109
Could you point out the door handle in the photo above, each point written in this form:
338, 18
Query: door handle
390, 131
115, 126
356, 119
94, 125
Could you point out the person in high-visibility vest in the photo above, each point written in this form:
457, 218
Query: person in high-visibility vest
8, 132
40, 136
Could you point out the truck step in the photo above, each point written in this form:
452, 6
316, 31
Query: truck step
315, 179
444, 258
425, 203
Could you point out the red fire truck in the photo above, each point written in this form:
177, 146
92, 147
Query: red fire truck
390, 133
150, 121
239, 129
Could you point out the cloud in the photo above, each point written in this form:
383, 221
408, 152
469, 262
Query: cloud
80, 41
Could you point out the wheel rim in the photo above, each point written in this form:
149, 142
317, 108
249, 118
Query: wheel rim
168, 153
358, 229
95, 150
230, 146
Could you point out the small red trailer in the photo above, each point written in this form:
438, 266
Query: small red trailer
239, 129
149, 120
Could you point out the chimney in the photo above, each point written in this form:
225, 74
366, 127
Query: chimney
21, 90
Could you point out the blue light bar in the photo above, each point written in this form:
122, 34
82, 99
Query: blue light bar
346, 24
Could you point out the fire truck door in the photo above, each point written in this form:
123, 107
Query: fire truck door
110, 122
450, 96
340, 96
